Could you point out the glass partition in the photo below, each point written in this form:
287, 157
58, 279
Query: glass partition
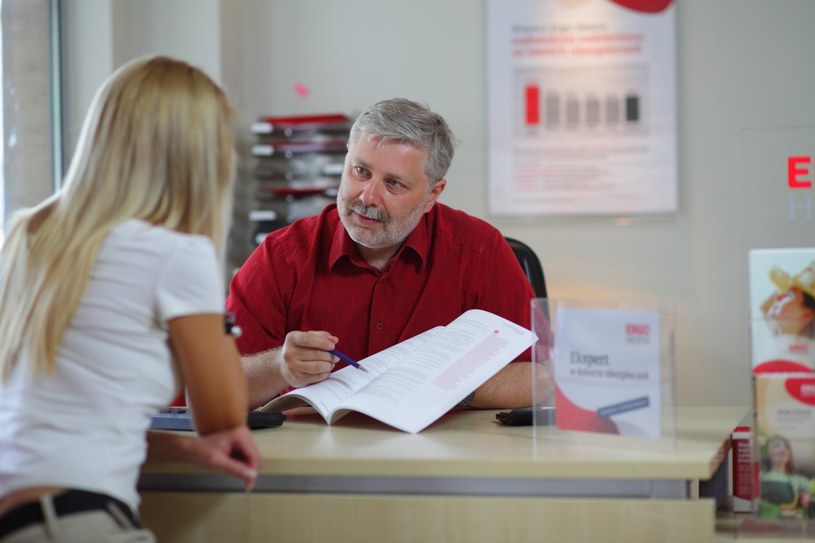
607, 371
777, 236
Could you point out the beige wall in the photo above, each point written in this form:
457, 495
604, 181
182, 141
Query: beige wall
741, 63
101, 35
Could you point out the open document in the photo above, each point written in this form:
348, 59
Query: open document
410, 385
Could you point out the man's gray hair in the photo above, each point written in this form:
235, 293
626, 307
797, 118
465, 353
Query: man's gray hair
399, 120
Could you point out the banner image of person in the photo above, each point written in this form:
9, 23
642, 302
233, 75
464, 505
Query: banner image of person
785, 431
782, 310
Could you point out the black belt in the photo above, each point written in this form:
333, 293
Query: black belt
66, 503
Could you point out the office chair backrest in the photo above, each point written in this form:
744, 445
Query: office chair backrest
531, 266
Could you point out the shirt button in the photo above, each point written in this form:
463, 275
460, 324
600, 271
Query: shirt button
379, 325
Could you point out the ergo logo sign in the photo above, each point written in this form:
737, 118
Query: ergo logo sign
799, 177
798, 166
637, 333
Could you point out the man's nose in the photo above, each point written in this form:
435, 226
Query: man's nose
372, 193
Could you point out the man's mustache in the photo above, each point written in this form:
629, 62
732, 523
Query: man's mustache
371, 212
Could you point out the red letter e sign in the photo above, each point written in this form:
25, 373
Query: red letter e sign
795, 169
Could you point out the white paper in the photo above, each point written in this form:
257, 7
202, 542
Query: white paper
410, 385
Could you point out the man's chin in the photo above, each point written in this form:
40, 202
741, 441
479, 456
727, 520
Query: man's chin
361, 236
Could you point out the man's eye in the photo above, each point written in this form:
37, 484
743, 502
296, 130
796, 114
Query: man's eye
394, 183
359, 170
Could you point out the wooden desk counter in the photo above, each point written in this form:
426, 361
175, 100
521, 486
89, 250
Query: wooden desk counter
465, 478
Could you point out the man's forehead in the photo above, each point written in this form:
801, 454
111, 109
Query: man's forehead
379, 142
408, 161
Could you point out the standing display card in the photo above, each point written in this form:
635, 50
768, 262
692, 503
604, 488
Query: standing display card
608, 371
785, 432
782, 310
782, 335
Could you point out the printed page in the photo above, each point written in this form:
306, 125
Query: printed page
440, 372
608, 371
327, 396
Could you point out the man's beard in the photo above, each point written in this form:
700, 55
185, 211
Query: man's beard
393, 231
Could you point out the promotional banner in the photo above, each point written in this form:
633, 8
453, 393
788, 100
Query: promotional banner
785, 417
608, 371
582, 107
782, 309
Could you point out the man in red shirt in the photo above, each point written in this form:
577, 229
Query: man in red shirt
385, 263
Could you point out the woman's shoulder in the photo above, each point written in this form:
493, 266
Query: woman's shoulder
134, 234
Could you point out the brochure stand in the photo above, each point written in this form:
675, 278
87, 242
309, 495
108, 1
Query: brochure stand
777, 203
608, 370
782, 330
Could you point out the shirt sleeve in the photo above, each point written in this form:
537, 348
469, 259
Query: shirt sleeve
190, 282
504, 289
258, 298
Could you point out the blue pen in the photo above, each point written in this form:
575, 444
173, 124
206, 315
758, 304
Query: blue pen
347, 359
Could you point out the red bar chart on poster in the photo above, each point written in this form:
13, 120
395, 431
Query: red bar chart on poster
582, 107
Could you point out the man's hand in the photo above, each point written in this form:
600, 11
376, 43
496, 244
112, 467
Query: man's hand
304, 358
301, 360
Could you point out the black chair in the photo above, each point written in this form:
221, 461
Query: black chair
530, 264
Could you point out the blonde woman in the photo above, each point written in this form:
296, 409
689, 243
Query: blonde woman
111, 296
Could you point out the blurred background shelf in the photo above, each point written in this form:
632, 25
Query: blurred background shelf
290, 168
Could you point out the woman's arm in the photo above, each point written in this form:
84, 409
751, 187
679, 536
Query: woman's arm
211, 370
218, 400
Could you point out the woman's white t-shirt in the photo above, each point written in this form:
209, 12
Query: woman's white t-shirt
84, 426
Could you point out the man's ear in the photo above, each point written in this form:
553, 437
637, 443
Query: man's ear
435, 192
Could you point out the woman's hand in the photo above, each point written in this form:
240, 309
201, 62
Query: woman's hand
231, 451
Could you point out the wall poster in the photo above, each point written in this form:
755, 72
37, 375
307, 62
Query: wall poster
581, 107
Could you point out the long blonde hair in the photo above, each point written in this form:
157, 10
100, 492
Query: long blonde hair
156, 145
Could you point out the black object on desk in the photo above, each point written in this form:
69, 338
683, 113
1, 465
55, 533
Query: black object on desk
527, 416
178, 418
